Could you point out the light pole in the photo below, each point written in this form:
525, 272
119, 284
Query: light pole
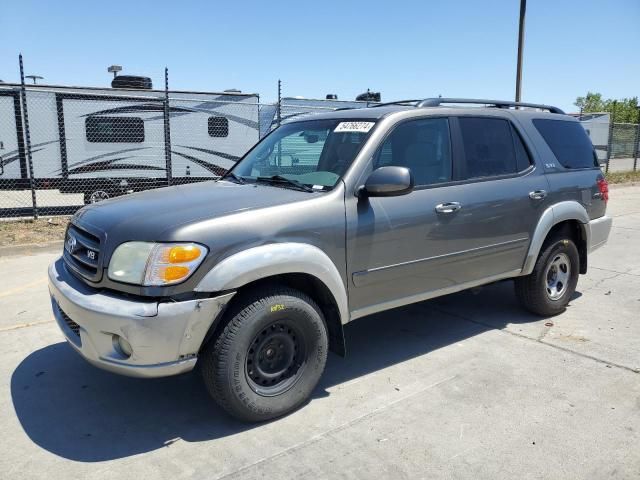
523, 9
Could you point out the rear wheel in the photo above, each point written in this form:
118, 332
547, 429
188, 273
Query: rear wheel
269, 356
95, 196
548, 289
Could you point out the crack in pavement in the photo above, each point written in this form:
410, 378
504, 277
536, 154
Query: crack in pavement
616, 271
25, 325
540, 341
321, 436
601, 281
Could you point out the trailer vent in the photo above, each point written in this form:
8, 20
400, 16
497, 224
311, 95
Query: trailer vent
132, 81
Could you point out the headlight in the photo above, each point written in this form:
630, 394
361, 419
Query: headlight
146, 263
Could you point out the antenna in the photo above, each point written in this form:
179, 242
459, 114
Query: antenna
34, 78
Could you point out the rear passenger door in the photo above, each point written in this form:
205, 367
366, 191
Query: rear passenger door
500, 197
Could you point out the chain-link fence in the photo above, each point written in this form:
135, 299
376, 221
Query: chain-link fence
64, 147
616, 144
86, 145
623, 147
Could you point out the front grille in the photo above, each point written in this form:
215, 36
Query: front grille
73, 326
82, 253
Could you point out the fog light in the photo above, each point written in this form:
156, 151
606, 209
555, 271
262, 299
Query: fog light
122, 346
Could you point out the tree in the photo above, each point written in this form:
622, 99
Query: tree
624, 110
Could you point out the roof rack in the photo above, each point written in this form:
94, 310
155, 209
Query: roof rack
436, 102
397, 102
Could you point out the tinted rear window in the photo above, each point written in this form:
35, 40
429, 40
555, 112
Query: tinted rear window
568, 141
488, 147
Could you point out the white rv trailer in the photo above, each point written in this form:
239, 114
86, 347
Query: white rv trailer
103, 142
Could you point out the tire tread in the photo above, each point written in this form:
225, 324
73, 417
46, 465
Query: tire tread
216, 357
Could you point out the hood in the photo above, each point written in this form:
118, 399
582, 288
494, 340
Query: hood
153, 214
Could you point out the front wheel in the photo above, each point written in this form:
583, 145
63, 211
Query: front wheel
269, 356
548, 289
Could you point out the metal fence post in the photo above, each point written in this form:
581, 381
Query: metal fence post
610, 141
279, 113
279, 120
167, 129
636, 146
25, 114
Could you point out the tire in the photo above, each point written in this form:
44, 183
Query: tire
537, 292
270, 355
97, 196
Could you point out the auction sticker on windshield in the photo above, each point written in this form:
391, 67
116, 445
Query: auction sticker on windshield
363, 127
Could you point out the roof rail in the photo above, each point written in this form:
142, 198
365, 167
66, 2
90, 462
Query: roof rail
397, 102
435, 102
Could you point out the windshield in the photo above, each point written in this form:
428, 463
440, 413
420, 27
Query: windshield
314, 153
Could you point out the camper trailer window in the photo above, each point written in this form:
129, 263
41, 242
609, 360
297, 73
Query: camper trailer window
218, 127
102, 129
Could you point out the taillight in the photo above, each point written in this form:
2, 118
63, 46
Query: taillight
603, 187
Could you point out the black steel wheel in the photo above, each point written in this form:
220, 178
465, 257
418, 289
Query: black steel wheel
276, 358
269, 356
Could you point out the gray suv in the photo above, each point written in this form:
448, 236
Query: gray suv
328, 219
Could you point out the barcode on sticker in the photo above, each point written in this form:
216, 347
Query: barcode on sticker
363, 127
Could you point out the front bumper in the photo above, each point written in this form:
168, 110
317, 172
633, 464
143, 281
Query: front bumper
165, 336
598, 232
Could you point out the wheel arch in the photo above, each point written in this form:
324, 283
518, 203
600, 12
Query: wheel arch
569, 215
300, 266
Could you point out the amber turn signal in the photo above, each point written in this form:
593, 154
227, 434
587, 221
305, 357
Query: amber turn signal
172, 273
183, 253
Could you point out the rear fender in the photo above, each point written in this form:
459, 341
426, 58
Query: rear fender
560, 212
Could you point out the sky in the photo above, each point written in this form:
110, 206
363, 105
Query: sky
404, 49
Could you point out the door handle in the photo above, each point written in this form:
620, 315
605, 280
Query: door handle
538, 195
448, 207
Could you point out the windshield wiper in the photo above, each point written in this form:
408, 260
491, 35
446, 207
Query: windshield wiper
235, 177
287, 181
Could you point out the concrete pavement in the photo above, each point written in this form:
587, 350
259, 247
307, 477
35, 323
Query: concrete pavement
466, 386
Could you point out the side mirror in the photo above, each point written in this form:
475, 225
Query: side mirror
388, 182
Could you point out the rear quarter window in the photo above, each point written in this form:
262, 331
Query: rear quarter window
568, 141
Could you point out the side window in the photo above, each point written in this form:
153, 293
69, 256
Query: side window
101, 129
218, 127
488, 147
423, 146
568, 141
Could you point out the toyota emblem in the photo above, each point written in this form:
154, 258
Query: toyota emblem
71, 243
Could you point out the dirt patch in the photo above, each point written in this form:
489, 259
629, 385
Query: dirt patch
623, 177
41, 231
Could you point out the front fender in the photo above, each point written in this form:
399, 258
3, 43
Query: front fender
560, 212
276, 259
